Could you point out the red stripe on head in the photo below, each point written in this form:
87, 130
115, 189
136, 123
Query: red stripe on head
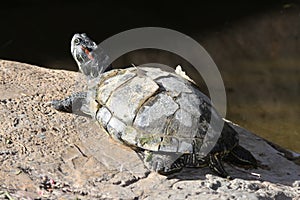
88, 53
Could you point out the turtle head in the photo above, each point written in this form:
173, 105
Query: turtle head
83, 51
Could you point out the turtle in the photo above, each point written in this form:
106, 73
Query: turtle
160, 115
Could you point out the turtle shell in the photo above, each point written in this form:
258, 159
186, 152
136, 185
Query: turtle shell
145, 107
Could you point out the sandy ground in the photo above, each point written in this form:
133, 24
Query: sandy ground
45, 154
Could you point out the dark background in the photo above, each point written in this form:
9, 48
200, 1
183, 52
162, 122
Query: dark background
255, 44
39, 32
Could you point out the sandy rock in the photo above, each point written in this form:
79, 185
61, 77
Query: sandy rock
47, 154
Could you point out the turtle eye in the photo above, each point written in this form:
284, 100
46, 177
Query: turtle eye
77, 41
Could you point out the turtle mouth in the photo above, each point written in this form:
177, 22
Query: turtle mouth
83, 54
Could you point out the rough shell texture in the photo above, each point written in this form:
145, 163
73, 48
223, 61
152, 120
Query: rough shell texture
152, 109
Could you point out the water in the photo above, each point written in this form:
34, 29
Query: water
265, 98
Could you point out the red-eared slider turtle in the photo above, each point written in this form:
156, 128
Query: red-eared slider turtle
159, 114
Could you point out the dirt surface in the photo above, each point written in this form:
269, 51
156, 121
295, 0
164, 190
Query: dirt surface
45, 154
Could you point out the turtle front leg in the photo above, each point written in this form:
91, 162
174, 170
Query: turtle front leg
71, 104
161, 162
215, 164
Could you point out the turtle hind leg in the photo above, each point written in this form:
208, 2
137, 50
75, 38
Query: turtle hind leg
215, 164
176, 166
162, 162
71, 104
241, 157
